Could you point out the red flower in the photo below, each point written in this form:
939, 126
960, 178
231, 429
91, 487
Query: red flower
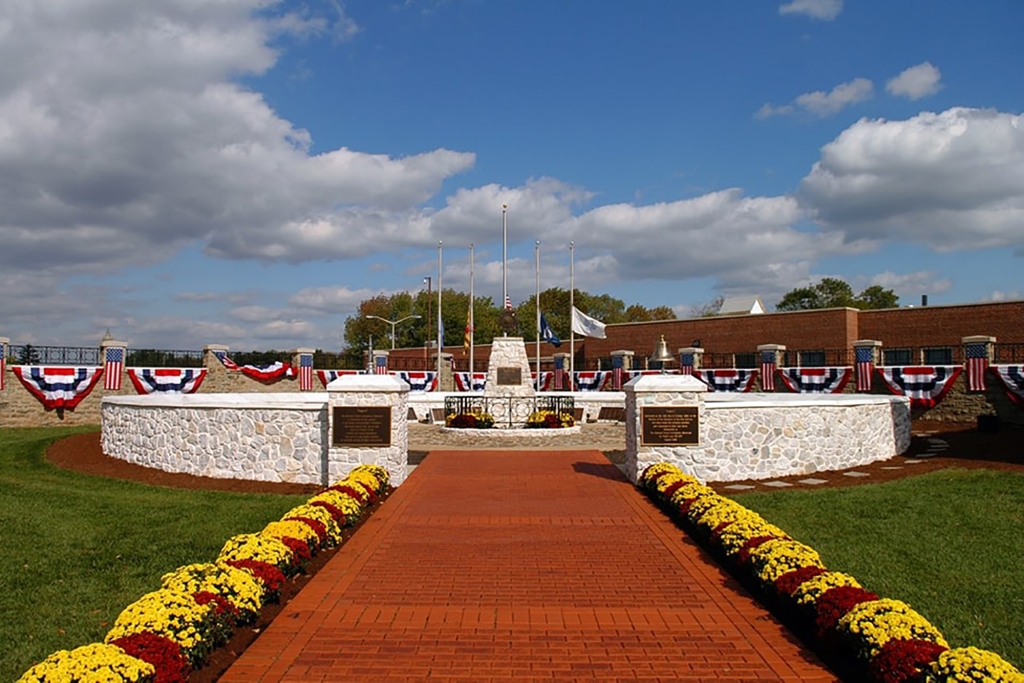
717, 531
790, 581
335, 511
270, 576
359, 494
164, 654
301, 552
673, 487
744, 552
901, 661
833, 605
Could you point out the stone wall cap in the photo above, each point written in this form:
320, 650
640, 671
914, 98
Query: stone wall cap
291, 400
771, 347
978, 339
372, 383
867, 342
690, 349
215, 347
666, 383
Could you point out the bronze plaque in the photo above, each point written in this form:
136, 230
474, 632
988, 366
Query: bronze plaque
510, 377
669, 426
357, 427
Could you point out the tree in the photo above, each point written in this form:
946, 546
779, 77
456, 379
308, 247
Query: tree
710, 309
835, 293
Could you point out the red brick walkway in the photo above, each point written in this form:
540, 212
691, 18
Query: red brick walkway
515, 566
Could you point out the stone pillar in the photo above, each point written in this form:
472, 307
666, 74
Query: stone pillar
559, 382
866, 355
769, 362
379, 362
113, 354
622, 361
367, 418
689, 359
508, 370
302, 360
978, 352
4, 341
212, 354
663, 418
446, 380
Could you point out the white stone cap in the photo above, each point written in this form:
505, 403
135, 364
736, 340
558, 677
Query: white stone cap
373, 383
690, 349
976, 339
623, 352
111, 342
4, 340
771, 347
215, 347
729, 399
291, 400
666, 383
294, 351
866, 342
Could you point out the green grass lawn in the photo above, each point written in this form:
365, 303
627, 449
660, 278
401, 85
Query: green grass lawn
77, 549
949, 543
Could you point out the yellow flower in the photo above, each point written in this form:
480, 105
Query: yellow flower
870, 625
809, 591
169, 613
257, 547
94, 662
779, 556
971, 665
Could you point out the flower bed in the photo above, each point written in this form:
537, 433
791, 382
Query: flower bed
549, 419
166, 634
880, 639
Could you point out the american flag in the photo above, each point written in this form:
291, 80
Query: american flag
508, 302
686, 364
380, 365
222, 356
559, 371
767, 371
305, 372
112, 368
617, 373
977, 363
3, 363
865, 357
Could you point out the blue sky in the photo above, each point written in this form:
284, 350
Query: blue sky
245, 172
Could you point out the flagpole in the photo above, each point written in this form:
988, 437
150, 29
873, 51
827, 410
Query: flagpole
440, 325
536, 258
504, 256
472, 320
572, 307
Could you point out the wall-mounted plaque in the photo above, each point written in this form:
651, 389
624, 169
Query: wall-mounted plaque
669, 426
510, 377
361, 427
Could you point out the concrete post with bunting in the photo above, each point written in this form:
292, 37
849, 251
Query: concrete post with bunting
302, 362
866, 355
769, 354
114, 355
4, 344
561, 381
978, 355
622, 362
379, 362
211, 357
689, 359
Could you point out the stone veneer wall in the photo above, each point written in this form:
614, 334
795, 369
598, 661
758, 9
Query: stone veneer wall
764, 436
257, 436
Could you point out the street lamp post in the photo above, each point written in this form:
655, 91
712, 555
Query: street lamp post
426, 344
393, 324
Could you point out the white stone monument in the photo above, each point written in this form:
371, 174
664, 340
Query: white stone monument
367, 425
508, 370
663, 419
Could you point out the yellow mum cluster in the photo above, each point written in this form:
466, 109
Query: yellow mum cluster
771, 556
94, 662
173, 611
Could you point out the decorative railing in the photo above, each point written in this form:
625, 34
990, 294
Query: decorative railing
508, 411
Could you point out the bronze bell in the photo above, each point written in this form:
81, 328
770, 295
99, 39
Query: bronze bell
661, 353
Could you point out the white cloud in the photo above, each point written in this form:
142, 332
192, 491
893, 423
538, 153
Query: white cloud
916, 82
826, 10
820, 103
953, 180
998, 295
909, 285
123, 138
331, 300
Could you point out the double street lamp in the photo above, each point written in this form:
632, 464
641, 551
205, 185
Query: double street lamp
393, 324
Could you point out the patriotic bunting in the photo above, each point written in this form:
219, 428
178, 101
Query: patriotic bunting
380, 365
816, 380
686, 364
727, 380
166, 380
58, 387
925, 386
1012, 377
112, 367
768, 371
865, 365
222, 356
592, 380
3, 365
462, 382
617, 373
268, 373
305, 372
559, 380
977, 363
545, 380
328, 376
419, 381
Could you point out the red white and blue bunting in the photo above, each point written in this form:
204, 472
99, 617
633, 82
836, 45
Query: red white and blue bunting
1012, 377
3, 365
727, 380
462, 381
816, 380
419, 381
166, 380
58, 387
328, 376
925, 386
268, 373
592, 380
546, 378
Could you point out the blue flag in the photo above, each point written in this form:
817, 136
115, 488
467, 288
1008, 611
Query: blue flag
547, 334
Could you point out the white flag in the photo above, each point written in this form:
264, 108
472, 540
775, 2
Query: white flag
585, 325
